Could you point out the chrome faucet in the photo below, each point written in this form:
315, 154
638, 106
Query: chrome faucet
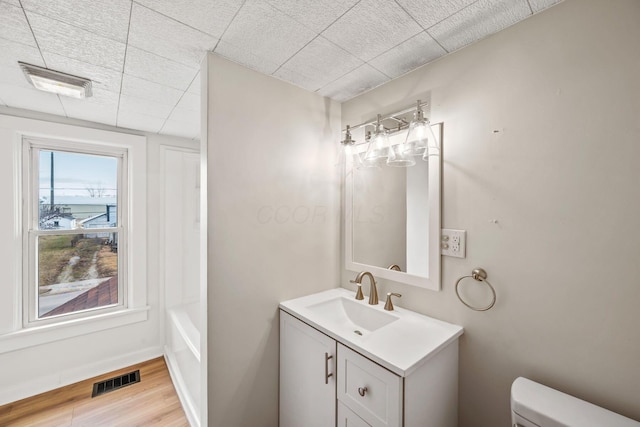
373, 295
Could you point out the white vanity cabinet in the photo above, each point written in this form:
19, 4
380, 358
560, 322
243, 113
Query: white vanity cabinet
324, 382
307, 379
369, 390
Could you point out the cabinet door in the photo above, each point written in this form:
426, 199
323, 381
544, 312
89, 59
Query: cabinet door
307, 375
369, 390
347, 418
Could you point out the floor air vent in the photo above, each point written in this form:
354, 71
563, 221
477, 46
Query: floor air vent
115, 383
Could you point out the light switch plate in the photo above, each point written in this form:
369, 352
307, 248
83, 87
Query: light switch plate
453, 242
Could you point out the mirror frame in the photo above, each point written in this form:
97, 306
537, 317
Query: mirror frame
434, 259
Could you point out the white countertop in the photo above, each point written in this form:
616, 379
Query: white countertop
400, 346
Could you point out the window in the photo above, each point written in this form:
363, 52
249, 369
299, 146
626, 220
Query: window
75, 214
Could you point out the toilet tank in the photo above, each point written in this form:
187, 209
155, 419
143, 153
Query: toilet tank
536, 405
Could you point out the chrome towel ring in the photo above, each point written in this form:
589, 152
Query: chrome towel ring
479, 275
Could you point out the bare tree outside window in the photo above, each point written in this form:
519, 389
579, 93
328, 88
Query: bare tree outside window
96, 191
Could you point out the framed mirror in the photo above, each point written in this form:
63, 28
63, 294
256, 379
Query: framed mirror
392, 220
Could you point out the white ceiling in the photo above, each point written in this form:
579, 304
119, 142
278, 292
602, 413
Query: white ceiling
143, 55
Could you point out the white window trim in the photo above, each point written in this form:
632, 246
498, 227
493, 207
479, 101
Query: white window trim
31, 231
17, 336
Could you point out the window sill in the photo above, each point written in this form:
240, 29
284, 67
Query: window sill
38, 335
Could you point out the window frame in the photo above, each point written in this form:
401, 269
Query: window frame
31, 147
13, 335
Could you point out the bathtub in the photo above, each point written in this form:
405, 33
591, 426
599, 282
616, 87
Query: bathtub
182, 352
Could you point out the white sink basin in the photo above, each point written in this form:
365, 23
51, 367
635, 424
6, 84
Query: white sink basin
400, 340
343, 311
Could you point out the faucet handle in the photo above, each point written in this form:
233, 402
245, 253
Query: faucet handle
359, 294
389, 305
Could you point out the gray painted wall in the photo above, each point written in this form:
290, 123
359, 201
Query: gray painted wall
273, 204
561, 177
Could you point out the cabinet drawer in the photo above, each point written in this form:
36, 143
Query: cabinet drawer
347, 418
369, 390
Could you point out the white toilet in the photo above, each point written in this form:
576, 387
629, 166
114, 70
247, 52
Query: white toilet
536, 405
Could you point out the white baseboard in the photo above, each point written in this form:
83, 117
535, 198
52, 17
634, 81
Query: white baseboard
73, 375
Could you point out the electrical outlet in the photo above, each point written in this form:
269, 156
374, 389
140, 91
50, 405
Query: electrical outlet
453, 242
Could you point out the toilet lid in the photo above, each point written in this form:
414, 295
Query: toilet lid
547, 407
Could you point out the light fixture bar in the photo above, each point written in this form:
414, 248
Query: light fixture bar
392, 116
56, 82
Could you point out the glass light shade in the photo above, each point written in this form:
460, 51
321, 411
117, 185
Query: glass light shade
417, 138
348, 155
378, 149
433, 146
399, 158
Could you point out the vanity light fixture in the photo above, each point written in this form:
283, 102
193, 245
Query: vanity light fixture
348, 152
398, 157
419, 140
378, 150
56, 82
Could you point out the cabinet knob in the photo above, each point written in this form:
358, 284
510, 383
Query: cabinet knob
362, 391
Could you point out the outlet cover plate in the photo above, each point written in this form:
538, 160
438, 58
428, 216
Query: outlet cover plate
453, 243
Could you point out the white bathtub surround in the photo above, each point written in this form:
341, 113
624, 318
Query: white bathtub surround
182, 352
180, 255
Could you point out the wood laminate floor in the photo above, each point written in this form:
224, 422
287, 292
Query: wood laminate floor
151, 402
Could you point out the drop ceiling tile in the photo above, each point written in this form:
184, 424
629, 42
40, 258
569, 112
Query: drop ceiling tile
538, 5
301, 80
144, 89
212, 17
13, 2
96, 114
102, 107
408, 56
108, 18
30, 98
133, 120
14, 25
10, 71
356, 82
255, 60
371, 28
12, 75
195, 87
66, 40
479, 20
13, 52
185, 116
142, 106
148, 66
314, 14
177, 128
189, 102
259, 27
318, 63
430, 12
168, 38
102, 78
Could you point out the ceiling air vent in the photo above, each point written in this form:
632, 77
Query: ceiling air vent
115, 383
